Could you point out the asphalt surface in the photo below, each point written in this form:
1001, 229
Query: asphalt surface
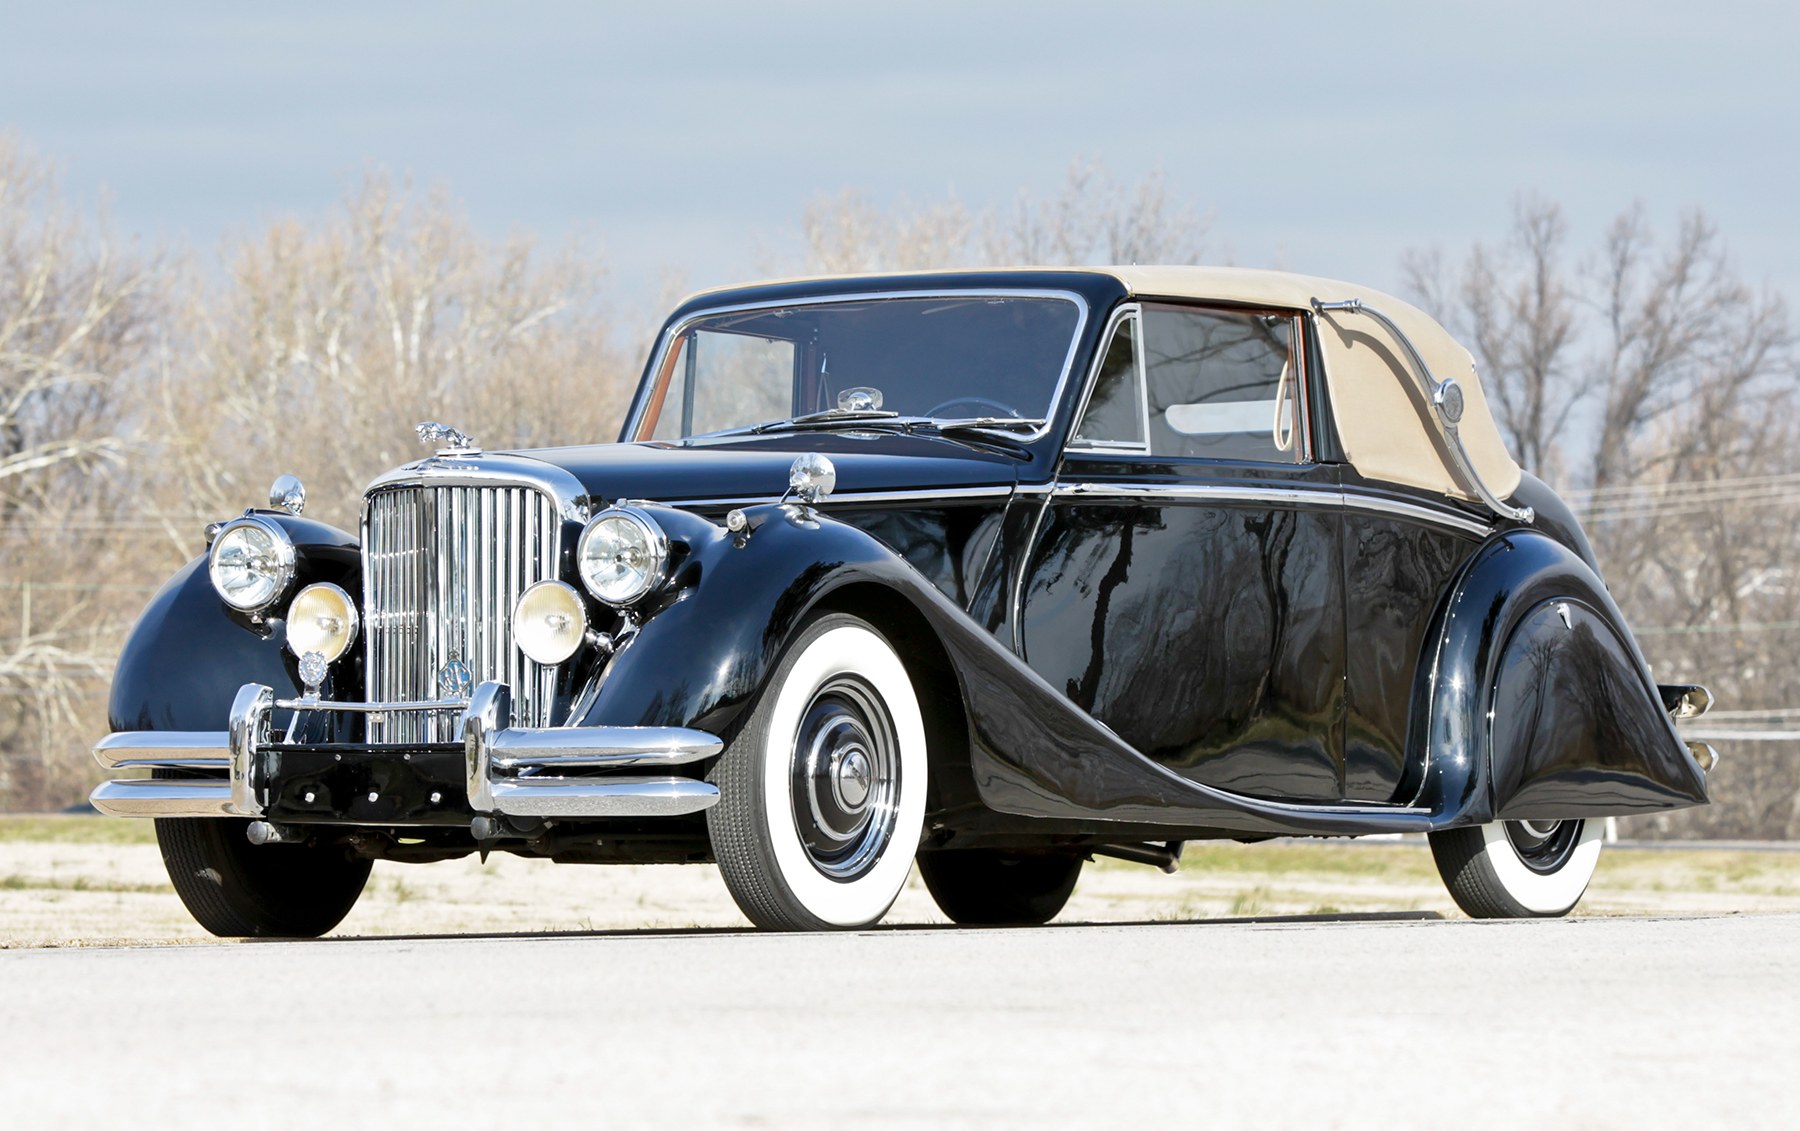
1384, 1022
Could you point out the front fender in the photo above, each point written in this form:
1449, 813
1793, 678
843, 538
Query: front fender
1537, 703
189, 651
704, 654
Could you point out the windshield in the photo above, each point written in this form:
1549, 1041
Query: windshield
946, 358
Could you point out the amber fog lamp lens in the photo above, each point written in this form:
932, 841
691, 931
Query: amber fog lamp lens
251, 563
321, 619
622, 555
549, 622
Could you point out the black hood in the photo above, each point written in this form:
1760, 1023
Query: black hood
750, 468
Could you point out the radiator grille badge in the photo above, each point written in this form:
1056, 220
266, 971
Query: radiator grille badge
455, 680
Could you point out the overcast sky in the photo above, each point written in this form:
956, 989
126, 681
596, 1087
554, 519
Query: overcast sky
680, 138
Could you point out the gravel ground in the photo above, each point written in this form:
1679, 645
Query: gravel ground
94, 882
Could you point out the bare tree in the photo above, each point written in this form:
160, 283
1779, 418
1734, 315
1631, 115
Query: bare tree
1092, 219
329, 342
77, 324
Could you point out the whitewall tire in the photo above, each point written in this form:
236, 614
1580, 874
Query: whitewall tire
822, 794
1518, 869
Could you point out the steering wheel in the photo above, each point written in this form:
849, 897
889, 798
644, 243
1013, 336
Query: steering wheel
998, 408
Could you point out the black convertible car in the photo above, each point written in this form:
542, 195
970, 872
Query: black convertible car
993, 571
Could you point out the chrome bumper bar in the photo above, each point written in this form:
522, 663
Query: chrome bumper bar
515, 771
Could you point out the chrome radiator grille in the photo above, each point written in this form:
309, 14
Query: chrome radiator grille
442, 568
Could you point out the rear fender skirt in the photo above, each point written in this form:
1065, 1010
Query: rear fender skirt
190, 652
1536, 702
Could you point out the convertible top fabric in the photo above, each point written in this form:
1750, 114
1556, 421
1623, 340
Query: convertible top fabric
1384, 420
1386, 424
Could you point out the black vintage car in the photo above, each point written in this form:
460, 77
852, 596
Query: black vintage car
993, 571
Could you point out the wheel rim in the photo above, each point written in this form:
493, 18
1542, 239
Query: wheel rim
845, 778
1544, 846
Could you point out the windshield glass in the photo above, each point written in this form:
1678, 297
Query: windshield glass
941, 357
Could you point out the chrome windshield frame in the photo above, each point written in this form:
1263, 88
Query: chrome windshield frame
673, 334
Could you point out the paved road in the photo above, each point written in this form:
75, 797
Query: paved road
1303, 1023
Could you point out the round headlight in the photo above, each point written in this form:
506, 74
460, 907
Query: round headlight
322, 619
622, 555
251, 563
549, 622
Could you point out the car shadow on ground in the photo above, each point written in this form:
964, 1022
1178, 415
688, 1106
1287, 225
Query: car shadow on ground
893, 928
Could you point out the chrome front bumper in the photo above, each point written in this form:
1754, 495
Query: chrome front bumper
568, 772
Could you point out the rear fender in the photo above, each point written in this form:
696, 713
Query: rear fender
1536, 702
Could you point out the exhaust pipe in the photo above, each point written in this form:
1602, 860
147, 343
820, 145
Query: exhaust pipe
1164, 856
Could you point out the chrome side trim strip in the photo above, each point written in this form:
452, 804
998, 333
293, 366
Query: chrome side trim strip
1294, 496
839, 499
1203, 492
1430, 516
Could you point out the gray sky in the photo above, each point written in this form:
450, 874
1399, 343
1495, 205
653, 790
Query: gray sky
680, 138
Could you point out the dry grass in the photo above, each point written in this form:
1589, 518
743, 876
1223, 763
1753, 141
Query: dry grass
85, 881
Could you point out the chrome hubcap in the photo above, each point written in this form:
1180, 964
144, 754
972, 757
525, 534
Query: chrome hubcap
845, 778
1544, 846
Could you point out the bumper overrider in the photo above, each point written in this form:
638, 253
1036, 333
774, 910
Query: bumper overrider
497, 769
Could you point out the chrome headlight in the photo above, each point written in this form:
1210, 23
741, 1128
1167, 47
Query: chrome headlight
623, 555
322, 619
251, 563
549, 622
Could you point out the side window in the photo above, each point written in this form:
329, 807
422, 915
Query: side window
1222, 384
1115, 409
726, 381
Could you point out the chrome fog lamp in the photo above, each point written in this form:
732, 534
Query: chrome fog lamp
251, 563
623, 555
322, 618
549, 622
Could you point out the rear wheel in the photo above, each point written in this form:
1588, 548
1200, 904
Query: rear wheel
1518, 869
822, 794
990, 887
234, 888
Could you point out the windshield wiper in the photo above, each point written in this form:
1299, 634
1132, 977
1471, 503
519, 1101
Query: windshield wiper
999, 423
826, 419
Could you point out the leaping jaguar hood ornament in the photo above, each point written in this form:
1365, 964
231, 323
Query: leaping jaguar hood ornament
446, 439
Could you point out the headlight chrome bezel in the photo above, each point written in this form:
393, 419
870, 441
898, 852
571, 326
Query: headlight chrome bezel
656, 539
282, 549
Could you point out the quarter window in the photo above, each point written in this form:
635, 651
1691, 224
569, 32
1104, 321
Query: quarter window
1115, 409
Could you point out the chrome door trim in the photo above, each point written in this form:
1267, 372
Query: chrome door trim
1236, 493
1430, 516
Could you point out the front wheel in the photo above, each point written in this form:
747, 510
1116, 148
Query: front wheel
822, 794
1518, 869
234, 888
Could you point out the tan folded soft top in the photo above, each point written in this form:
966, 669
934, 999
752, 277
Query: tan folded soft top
1383, 417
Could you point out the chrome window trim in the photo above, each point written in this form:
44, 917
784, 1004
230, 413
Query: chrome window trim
1297, 358
630, 433
1319, 496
